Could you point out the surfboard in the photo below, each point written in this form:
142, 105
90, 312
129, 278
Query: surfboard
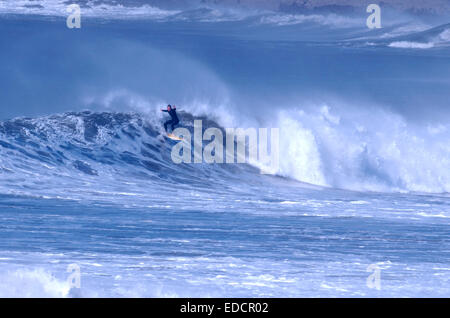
173, 137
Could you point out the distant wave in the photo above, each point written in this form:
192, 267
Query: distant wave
333, 20
206, 14
90, 8
413, 37
435, 37
396, 33
210, 13
124, 10
411, 45
201, 13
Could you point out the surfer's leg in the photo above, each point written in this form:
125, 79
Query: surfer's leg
167, 123
174, 123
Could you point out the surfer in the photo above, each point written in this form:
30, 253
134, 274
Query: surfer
172, 110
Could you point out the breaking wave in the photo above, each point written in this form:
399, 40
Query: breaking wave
350, 150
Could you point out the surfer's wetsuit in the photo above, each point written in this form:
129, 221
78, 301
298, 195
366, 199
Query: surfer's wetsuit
174, 121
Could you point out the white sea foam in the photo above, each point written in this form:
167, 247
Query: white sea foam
332, 20
411, 45
436, 38
372, 150
32, 283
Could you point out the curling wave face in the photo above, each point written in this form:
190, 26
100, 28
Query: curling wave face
63, 155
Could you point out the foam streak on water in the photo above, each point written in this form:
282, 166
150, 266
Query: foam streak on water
227, 245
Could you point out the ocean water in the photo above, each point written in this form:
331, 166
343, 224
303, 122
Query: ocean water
87, 180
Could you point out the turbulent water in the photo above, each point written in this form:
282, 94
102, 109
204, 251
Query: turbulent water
86, 177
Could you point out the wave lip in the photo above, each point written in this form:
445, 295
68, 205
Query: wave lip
404, 36
431, 38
